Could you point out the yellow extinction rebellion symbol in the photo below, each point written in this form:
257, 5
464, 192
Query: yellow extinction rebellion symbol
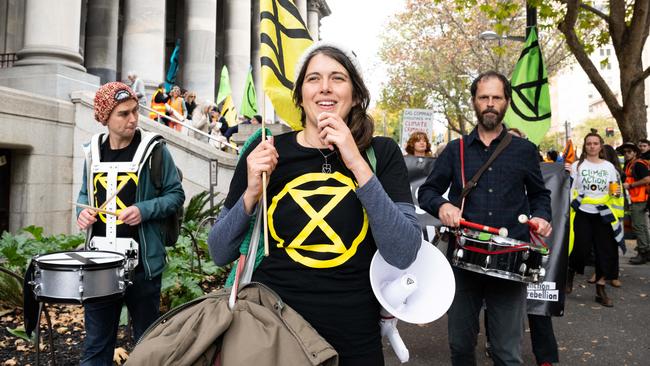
296, 246
122, 180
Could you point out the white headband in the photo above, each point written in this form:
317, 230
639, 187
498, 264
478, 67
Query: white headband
320, 44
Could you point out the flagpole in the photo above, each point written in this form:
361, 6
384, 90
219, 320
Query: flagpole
264, 176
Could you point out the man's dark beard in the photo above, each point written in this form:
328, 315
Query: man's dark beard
490, 123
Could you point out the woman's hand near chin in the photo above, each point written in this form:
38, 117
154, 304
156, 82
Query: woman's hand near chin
334, 132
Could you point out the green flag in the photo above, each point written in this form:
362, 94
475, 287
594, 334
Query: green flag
224, 85
249, 101
530, 107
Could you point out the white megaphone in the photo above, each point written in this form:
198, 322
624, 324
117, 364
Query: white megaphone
418, 294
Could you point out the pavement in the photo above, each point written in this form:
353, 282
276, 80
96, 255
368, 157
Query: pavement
588, 333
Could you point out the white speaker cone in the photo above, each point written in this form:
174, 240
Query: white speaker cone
418, 294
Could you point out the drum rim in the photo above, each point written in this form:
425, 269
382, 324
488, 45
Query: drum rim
497, 273
506, 242
75, 267
85, 300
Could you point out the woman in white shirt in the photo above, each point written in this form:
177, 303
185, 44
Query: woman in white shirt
591, 176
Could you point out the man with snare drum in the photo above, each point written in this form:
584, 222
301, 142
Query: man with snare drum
511, 185
117, 172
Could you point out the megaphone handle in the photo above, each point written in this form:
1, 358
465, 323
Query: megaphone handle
398, 346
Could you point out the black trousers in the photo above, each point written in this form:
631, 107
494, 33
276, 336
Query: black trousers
543, 339
591, 232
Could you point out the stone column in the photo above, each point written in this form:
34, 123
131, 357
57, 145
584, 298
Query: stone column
255, 55
101, 39
199, 48
302, 8
143, 41
50, 62
238, 51
52, 34
313, 18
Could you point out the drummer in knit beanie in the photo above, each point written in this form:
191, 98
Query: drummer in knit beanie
108, 97
123, 211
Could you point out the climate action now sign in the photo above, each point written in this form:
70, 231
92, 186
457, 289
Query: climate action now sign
416, 120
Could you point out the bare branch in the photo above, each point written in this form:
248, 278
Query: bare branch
616, 25
640, 77
566, 26
597, 12
637, 32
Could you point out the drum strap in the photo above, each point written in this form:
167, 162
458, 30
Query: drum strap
467, 187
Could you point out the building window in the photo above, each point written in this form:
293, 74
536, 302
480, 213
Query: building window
609, 52
602, 52
590, 96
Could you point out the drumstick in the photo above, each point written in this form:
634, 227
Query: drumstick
524, 220
500, 231
103, 206
96, 209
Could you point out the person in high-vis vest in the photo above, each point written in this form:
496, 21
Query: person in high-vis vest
636, 183
595, 216
159, 101
177, 103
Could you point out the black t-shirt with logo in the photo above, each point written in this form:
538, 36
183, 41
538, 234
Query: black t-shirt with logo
126, 197
320, 241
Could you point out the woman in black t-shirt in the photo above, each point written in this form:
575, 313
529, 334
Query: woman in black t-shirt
328, 209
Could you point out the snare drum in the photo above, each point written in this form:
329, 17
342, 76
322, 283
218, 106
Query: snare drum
497, 256
79, 277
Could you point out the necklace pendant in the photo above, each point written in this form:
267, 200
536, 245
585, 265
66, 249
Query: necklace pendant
327, 168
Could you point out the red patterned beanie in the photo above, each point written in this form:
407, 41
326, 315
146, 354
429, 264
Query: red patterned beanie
108, 97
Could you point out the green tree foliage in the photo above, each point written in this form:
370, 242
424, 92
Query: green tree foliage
552, 141
599, 124
433, 52
585, 26
381, 113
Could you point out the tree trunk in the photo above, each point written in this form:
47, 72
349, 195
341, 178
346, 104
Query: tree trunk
632, 121
633, 117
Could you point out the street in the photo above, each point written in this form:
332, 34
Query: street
588, 333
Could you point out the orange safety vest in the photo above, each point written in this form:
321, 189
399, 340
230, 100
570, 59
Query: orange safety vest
177, 104
639, 193
158, 107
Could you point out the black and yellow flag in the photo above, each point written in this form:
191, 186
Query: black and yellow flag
224, 97
283, 37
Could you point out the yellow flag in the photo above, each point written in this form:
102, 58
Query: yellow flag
283, 37
229, 112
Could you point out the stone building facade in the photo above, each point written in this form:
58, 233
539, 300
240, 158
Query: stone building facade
54, 55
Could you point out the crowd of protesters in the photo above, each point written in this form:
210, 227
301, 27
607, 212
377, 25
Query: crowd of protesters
183, 105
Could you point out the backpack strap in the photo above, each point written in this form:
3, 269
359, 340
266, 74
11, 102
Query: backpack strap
156, 166
372, 158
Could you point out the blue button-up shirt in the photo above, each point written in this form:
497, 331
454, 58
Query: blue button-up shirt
511, 186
